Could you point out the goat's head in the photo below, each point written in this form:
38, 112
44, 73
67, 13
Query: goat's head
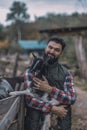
37, 64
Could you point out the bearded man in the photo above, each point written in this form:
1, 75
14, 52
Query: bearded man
58, 83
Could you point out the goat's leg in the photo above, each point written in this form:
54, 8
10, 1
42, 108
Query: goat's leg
46, 124
18, 93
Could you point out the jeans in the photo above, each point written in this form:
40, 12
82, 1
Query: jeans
34, 119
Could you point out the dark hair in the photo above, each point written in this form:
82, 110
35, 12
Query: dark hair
58, 40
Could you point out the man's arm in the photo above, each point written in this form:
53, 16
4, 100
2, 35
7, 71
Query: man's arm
27, 78
66, 96
32, 101
59, 95
38, 104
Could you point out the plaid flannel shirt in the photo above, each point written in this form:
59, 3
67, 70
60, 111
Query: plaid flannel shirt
65, 97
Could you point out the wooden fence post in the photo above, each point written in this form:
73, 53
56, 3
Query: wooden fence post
81, 56
21, 113
15, 64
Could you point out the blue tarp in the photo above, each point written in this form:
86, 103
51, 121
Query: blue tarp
32, 44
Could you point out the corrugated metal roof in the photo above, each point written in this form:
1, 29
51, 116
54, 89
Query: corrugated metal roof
32, 44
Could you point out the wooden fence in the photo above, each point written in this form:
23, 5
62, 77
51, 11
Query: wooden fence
12, 110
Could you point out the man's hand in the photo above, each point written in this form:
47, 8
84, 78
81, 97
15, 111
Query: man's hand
42, 84
59, 110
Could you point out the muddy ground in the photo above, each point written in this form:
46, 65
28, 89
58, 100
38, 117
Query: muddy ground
79, 111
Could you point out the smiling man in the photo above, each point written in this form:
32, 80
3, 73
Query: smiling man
58, 83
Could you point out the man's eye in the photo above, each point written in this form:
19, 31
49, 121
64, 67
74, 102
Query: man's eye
50, 47
58, 50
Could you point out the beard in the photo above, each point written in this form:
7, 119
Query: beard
50, 60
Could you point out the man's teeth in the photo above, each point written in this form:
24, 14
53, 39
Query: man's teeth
50, 55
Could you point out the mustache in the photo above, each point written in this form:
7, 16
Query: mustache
51, 55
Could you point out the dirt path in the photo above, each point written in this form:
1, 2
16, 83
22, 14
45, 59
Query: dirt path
79, 111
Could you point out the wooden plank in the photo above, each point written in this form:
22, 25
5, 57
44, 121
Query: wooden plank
9, 117
14, 80
13, 126
21, 114
81, 57
15, 64
5, 104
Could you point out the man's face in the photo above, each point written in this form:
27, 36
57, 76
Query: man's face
53, 50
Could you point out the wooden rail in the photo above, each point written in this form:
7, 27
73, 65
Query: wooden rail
10, 115
13, 110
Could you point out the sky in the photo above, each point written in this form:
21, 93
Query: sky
42, 7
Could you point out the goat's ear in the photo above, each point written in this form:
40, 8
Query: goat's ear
35, 57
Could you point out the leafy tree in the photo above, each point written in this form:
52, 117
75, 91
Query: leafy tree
18, 12
19, 17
